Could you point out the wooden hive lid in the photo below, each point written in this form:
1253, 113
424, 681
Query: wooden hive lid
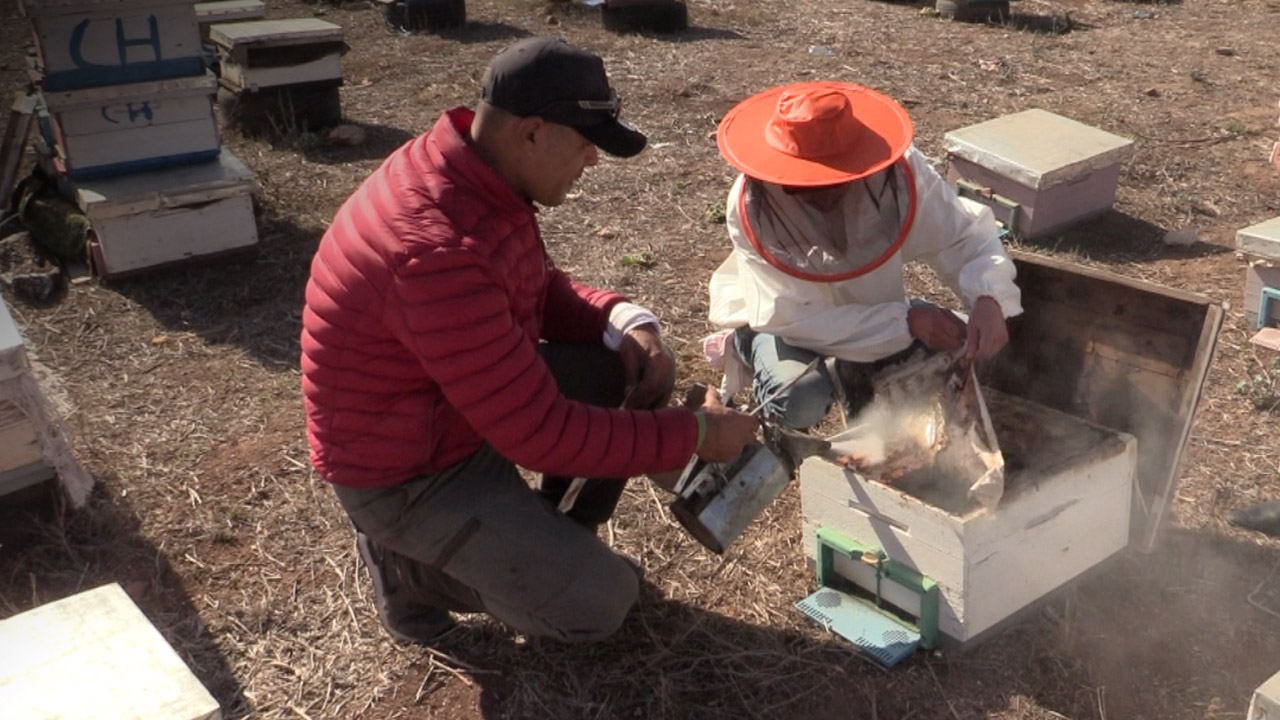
1122, 353
293, 31
1261, 240
1037, 148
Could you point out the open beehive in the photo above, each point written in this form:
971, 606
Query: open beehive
1091, 402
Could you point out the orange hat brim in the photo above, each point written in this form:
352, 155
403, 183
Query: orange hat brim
886, 126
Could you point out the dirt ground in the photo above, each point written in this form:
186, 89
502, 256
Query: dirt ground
182, 388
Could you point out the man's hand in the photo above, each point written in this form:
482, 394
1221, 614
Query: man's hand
728, 430
937, 328
987, 332
649, 367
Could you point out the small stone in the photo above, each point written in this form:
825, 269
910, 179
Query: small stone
1143, 14
1184, 237
1226, 51
347, 135
553, 20
1151, 92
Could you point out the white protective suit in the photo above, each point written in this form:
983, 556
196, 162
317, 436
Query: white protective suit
863, 318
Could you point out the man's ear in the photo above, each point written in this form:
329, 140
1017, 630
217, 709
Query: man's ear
528, 131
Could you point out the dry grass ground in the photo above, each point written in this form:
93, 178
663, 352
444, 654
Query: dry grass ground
182, 388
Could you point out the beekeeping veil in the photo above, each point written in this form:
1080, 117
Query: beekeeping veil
836, 140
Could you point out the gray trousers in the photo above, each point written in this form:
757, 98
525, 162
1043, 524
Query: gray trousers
483, 541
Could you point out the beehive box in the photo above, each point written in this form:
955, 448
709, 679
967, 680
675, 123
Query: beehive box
227, 11
274, 53
1067, 490
21, 461
1256, 277
95, 655
1107, 371
91, 43
150, 220
128, 128
1056, 170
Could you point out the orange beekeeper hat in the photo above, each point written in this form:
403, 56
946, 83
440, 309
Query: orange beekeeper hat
814, 134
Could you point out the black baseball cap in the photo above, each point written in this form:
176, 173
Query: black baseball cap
560, 83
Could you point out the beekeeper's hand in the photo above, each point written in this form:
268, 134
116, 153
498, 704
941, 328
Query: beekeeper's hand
727, 431
937, 328
649, 367
987, 332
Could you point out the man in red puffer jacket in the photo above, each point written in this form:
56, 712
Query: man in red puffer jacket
442, 348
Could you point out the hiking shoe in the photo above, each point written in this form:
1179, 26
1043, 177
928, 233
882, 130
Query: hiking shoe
404, 617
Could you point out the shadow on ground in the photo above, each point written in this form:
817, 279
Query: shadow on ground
1127, 641
49, 551
1117, 237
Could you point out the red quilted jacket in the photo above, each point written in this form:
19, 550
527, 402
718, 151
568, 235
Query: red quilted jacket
427, 297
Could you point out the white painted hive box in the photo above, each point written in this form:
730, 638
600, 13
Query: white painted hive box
1093, 401
21, 460
1057, 170
275, 53
91, 43
121, 129
153, 219
95, 655
1065, 509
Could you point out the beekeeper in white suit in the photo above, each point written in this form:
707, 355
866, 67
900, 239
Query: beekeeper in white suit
832, 201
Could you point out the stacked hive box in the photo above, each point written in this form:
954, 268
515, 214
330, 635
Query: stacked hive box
32, 446
128, 102
280, 76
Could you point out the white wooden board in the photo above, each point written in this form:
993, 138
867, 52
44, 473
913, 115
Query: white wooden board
95, 655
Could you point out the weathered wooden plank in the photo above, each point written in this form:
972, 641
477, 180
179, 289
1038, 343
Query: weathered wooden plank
14, 143
96, 43
1122, 353
95, 655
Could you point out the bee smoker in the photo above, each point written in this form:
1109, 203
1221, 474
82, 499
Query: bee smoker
715, 502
